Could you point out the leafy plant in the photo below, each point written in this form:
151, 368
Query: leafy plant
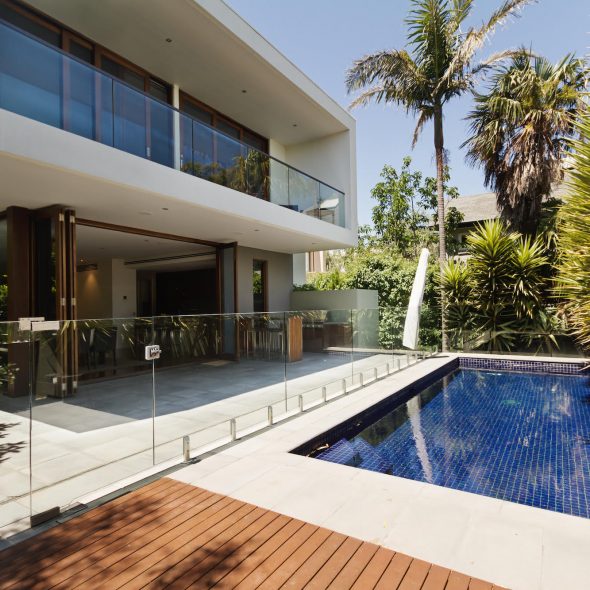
406, 203
496, 298
520, 129
573, 279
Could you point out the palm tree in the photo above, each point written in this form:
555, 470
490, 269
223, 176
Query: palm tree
438, 67
520, 130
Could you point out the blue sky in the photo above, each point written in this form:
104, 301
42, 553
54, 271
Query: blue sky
323, 37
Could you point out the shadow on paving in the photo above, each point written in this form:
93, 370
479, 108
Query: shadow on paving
9, 448
105, 403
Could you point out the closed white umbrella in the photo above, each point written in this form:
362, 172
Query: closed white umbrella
412, 324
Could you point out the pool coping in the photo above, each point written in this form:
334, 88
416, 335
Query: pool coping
518, 546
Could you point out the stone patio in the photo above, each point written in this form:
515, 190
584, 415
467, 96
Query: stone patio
105, 433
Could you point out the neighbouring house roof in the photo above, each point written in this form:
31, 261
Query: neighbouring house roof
476, 207
481, 207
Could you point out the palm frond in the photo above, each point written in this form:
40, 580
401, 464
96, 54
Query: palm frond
388, 76
475, 38
519, 131
425, 115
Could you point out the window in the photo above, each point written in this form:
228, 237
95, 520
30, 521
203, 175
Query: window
201, 112
27, 21
259, 286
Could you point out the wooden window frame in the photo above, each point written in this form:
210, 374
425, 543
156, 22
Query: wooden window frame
185, 97
36, 16
67, 35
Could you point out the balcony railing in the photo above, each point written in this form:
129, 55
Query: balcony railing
46, 84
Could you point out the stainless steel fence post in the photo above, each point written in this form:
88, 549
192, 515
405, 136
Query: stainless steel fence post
186, 448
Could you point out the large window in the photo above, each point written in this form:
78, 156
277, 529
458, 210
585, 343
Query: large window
201, 112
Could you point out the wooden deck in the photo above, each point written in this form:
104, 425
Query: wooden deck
173, 535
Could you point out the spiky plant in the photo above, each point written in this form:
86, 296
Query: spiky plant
438, 67
459, 309
573, 278
519, 132
490, 267
496, 298
528, 278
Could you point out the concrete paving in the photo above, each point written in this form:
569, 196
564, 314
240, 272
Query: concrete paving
105, 433
520, 547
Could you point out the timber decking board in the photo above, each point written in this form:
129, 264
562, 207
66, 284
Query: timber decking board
60, 561
173, 535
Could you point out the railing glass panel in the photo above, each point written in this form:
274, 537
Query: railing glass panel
15, 423
81, 408
43, 83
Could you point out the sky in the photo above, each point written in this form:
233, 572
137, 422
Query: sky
324, 37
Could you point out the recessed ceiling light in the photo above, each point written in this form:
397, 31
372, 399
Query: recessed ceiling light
244, 91
256, 230
164, 208
294, 124
168, 40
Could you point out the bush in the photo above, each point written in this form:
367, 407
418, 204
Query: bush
496, 299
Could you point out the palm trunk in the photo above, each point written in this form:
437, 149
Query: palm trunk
439, 146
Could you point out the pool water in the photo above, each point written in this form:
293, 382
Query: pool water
515, 436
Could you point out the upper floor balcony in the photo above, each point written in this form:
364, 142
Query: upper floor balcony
43, 83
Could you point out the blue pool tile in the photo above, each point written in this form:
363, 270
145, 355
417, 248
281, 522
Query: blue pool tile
340, 452
371, 459
522, 437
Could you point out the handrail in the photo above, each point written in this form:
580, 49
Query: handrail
74, 58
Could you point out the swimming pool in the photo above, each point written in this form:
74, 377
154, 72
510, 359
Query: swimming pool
522, 437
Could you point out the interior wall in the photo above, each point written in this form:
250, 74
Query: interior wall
124, 290
107, 292
94, 297
279, 276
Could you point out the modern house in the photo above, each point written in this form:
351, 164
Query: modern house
160, 158
148, 145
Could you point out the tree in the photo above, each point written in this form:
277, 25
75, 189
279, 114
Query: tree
406, 203
397, 216
520, 130
438, 67
496, 298
574, 240
392, 277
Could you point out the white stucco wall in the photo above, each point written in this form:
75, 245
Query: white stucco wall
280, 278
299, 269
332, 160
